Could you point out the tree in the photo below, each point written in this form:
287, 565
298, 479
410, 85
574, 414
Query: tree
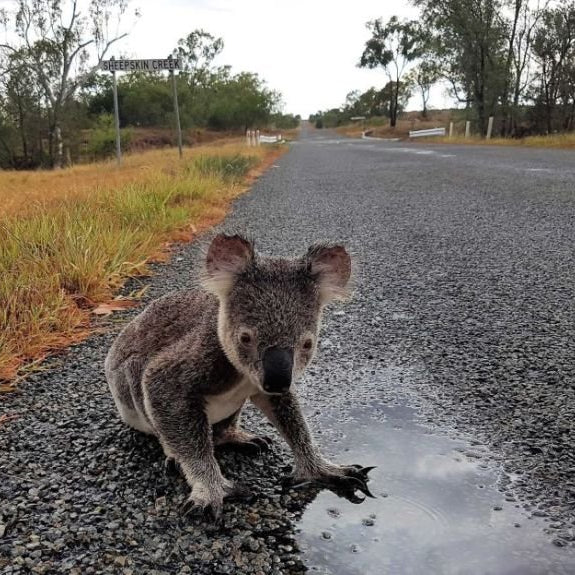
525, 21
374, 102
424, 76
554, 52
469, 39
197, 51
22, 108
56, 43
392, 46
242, 101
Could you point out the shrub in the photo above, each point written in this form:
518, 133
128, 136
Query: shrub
229, 167
102, 142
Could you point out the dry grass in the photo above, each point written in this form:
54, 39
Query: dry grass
69, 239
557, 141
22, 191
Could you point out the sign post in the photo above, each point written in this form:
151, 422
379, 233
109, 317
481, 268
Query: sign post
116, 119
176, 109
112, 65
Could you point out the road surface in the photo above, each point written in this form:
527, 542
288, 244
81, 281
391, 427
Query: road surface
452, 369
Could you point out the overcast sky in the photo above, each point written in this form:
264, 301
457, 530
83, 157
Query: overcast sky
308, 50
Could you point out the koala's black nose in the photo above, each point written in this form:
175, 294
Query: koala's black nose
278, 365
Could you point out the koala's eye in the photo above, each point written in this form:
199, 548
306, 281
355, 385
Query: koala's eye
307, 344
246, 338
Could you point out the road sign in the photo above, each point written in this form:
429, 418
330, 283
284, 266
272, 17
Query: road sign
159, 64
141, 65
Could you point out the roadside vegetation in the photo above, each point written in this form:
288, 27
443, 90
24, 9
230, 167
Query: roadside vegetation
74, 225
558, 141
379, 127
56, 105
512, 60
69, 239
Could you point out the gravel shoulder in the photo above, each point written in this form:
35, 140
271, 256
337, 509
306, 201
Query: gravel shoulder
464, 274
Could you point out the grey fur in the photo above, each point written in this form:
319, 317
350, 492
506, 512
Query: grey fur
183, 369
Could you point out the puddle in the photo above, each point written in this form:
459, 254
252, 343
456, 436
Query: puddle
436, 510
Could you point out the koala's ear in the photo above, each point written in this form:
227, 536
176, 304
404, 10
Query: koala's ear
227, 257
331, 268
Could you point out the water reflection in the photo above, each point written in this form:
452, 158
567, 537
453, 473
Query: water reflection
436, 511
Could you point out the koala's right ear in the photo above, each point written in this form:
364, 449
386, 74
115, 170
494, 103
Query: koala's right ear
330, 266
227, 257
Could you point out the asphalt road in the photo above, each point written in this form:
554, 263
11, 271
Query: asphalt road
464, 285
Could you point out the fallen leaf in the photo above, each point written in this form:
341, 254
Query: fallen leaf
115, 305
6, 418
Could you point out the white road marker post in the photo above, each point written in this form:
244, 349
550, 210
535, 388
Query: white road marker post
248, 138
257, 137
451, 129
489, 128
467, 129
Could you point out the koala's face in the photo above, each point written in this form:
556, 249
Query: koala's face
271, 320
270, 309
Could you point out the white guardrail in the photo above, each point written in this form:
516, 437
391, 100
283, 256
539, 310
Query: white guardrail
430, 132
254, 138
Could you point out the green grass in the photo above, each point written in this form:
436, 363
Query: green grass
59, 259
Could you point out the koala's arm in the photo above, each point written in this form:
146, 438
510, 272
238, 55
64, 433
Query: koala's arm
284, 412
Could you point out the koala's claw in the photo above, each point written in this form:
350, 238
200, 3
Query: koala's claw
211, 511
361, 474
170, 466
261, 442
364, 471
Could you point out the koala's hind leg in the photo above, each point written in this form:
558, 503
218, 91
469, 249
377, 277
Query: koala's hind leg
186, 436
228, 434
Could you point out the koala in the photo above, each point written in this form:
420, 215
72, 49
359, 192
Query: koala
183, 369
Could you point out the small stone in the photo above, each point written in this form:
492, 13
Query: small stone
253, 518
497, 508
326, 535
368, 522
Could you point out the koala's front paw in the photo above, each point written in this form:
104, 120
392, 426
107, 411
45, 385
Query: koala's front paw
344, 480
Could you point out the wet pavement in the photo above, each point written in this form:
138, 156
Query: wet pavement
437, 508
462, 319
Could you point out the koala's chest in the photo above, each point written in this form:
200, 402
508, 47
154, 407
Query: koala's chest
220, 406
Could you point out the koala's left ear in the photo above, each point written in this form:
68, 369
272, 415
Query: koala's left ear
227, 257
330, 265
